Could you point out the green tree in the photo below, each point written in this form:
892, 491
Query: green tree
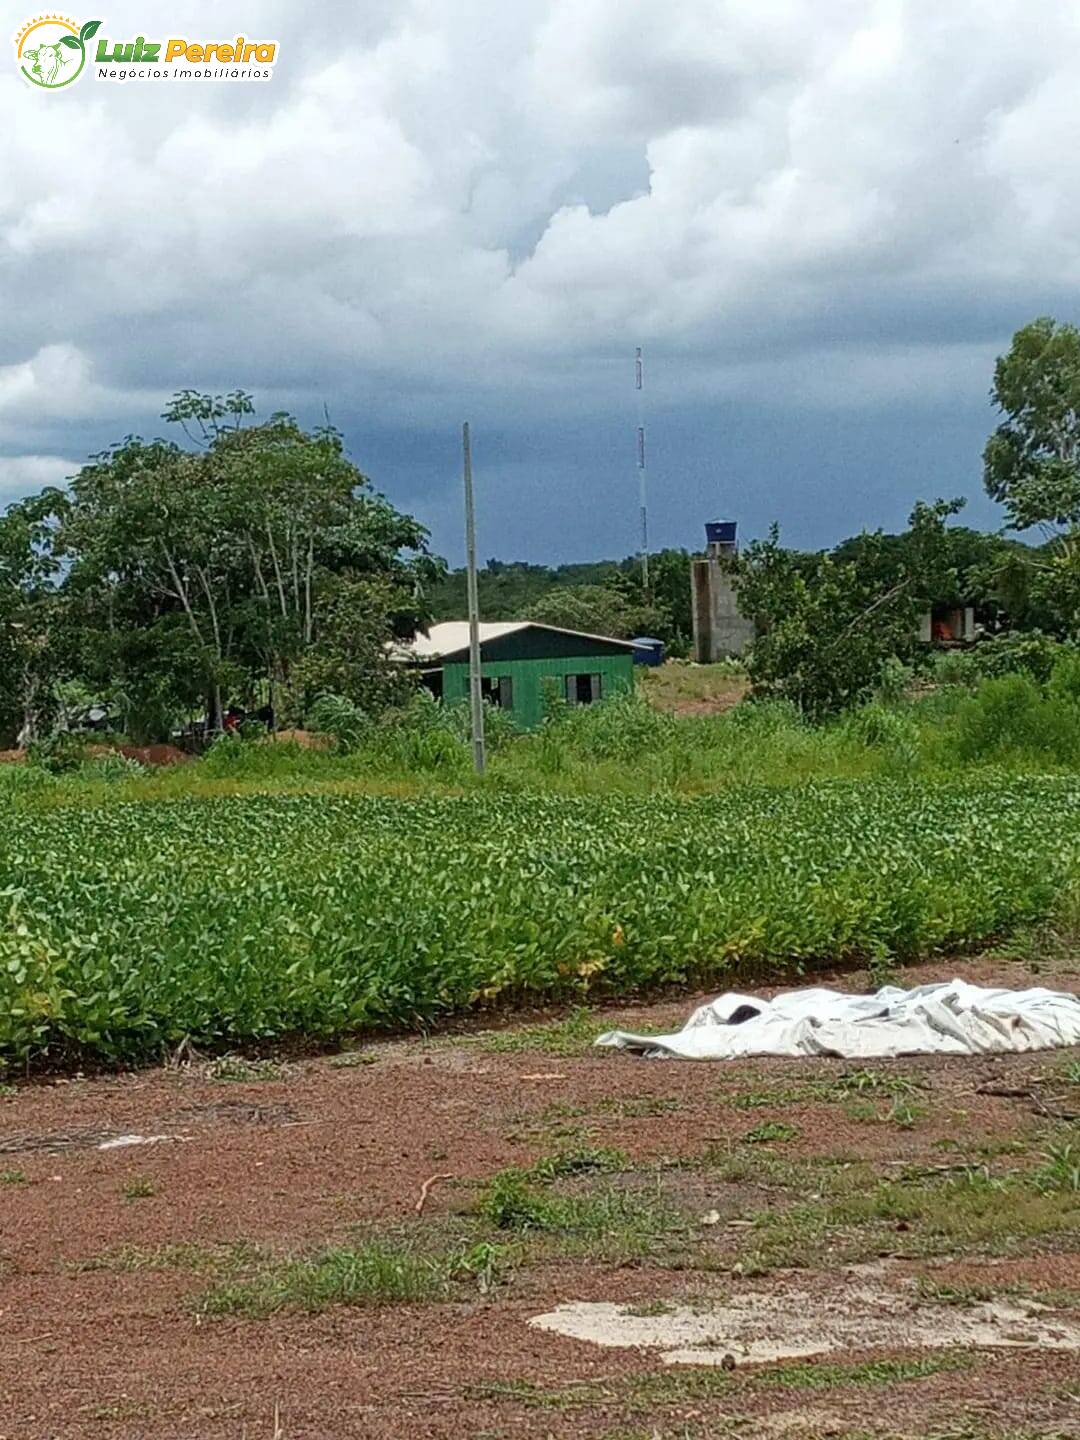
828, 624
31, 645
1031, 463
514, 590
353, 657
198, 575
592, 609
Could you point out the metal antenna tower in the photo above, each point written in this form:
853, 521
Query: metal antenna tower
476, 703
639, 379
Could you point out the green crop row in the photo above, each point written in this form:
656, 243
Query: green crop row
125, 927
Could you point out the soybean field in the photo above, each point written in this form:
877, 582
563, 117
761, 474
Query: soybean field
127, 926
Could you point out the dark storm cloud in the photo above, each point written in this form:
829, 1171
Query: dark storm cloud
822, 221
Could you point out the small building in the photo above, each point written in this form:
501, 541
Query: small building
948, 625
721, 630
516, 658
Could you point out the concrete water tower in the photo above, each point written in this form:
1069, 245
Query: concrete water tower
720, 629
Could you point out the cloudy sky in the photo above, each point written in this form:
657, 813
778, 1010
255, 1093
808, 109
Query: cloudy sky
821, 218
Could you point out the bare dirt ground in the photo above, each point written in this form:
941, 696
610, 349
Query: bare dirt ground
679, 688
796, 1181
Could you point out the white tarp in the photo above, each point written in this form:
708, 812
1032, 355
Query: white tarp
952, 1018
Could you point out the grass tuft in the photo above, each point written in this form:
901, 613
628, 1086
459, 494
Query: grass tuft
235, 1069
377, 1273
606, 1222
858, 1216
823, 1375
572, 1035
198, 1259
350, 1059
141, 1187
770, 1132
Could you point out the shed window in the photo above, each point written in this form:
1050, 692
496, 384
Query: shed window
583, 689
498, 690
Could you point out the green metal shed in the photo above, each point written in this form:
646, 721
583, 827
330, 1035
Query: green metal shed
516, 657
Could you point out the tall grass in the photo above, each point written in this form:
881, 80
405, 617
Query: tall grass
1012, 723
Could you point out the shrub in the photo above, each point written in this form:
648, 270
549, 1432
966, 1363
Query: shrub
18, 779
422, 736
617, 729
110, 768
881, 726
1011, 715
227, 755
1065, 679
953, 667
338, 717
894, 679
1026, 652
57, 753
500, 727
766, 717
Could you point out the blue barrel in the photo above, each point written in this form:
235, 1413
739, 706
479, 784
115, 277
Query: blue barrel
648, 650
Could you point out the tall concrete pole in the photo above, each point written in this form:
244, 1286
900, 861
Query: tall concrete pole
476, 701
639, 385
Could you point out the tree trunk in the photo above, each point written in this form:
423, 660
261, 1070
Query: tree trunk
307, 589
28, 734
208, 592
182, 596
277, 570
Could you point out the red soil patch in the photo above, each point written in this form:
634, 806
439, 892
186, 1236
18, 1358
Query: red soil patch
301, 1161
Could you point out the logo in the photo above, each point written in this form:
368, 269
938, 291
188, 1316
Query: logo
51, 50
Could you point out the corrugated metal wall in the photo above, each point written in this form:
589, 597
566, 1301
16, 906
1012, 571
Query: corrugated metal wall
527, 676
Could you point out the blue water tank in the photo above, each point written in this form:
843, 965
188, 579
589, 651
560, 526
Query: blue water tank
720, 532
648, 650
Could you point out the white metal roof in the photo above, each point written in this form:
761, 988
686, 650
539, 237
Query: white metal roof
450, 636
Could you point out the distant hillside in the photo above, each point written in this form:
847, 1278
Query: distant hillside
509, 589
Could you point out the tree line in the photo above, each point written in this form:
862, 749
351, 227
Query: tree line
257, 563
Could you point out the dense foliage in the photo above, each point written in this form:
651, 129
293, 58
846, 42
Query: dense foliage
30, 651
1032, 460
255, 564
828, 624
126, 927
